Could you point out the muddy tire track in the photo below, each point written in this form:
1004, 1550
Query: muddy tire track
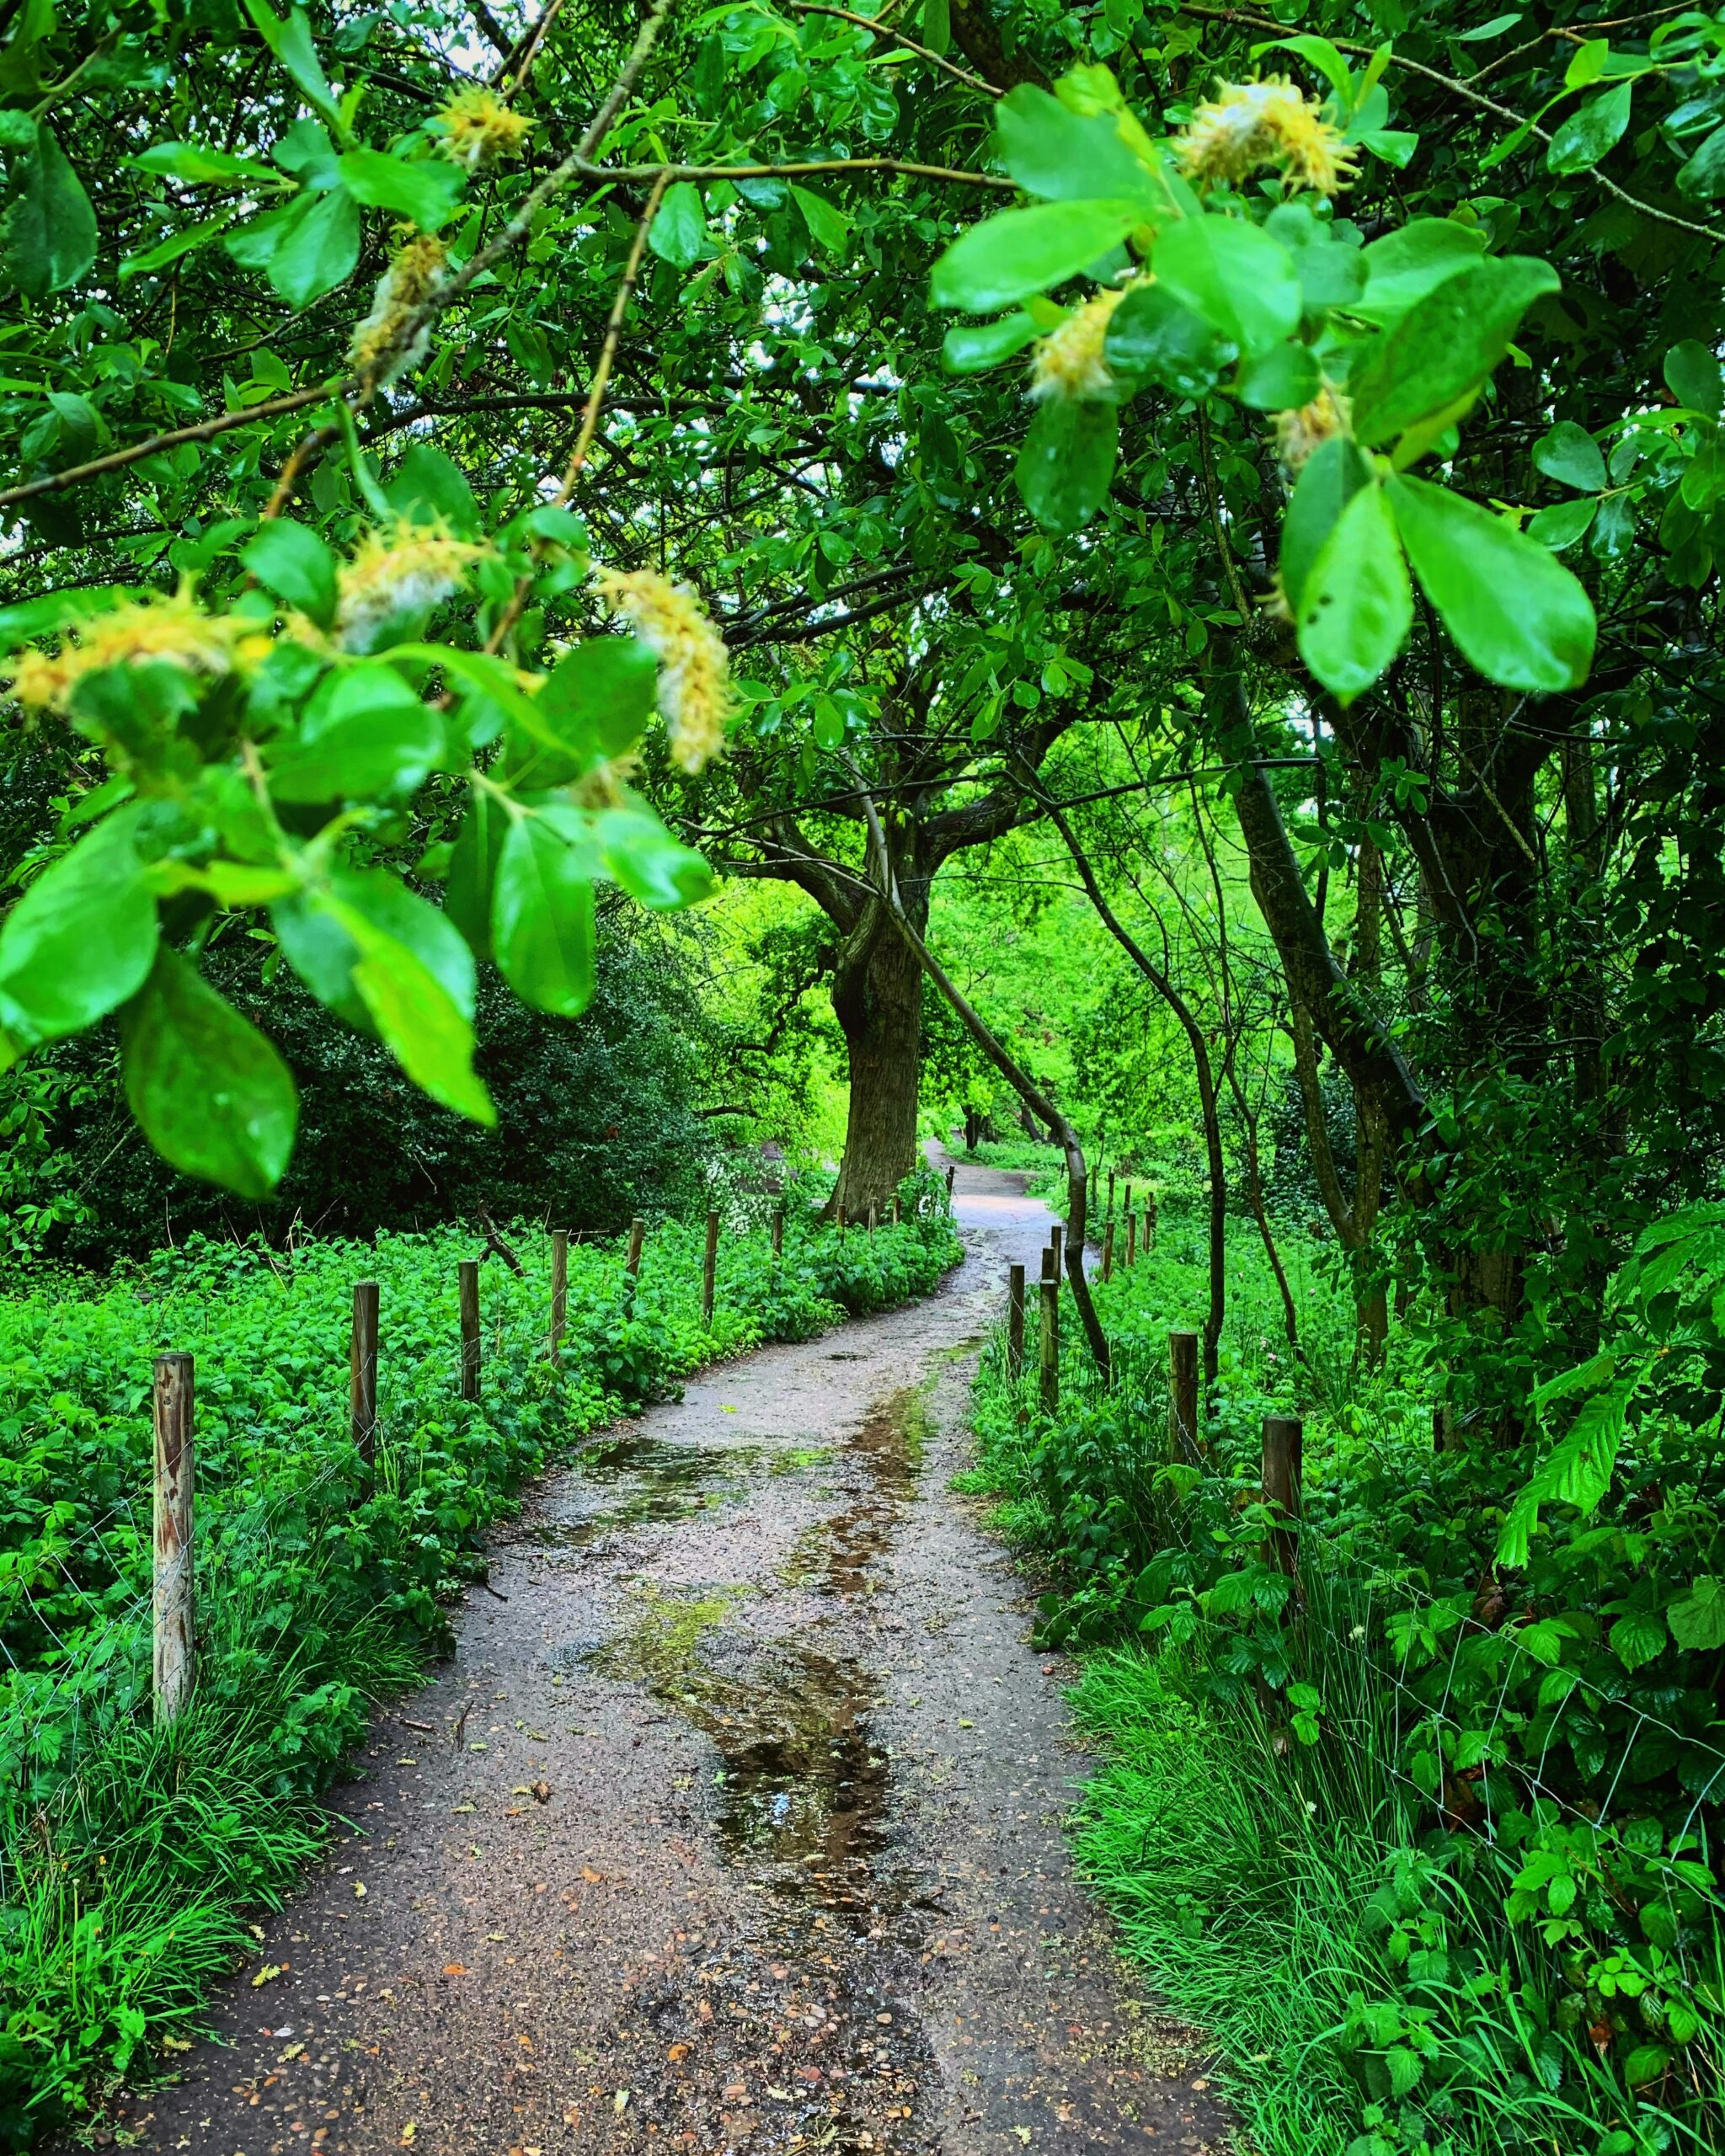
734, 1826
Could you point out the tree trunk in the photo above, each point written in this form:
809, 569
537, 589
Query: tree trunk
876, 995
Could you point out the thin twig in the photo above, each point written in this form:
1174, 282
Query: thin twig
898, 37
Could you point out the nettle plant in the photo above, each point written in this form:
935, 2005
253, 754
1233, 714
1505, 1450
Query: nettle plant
1225, 276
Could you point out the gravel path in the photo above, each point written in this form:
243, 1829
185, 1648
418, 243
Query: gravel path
735, 1827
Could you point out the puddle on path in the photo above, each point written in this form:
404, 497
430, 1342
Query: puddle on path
652, 1482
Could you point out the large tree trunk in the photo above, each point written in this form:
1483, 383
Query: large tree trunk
876, 994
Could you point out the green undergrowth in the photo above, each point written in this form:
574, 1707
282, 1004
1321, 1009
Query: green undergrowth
131, 1857
1429, 1845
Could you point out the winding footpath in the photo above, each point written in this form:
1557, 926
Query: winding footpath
736, 1826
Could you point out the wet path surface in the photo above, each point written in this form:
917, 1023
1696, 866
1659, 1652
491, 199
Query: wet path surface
735, 1827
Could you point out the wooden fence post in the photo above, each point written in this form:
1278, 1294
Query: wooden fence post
709, 1270
1111, 1194
1094, 1173
638, 1236
1149, 1219
173, 1598
778, 1232
362, 1372
1049, 1359
838, 1218
1131, 1239
1283, 1439
1183, 1398
874, 1217
895, 1212
559, 1289
951, 1172
467, 1274
1108, 1252
1054, 1233
1015, 1322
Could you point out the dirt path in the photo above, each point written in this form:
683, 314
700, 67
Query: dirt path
735, 1827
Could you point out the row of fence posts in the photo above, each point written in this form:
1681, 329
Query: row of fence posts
1284, 1435
173, 1597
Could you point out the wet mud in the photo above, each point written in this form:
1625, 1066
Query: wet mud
735, 1827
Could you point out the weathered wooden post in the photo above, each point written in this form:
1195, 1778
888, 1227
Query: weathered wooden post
173, 1598
778, 1232
1049, 1356
467, 1275
1015, 1322
838, 1218
1284, 1444
362, 1372
709, 1269
951, 1171
638, 1236
1131, 1239
1149, 1221
1108, 1252
1182, 1398
559, 1289
895, 1210
1093, 1174
874, 1217
1054, 1233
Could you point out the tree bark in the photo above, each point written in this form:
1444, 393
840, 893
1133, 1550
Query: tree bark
877, 996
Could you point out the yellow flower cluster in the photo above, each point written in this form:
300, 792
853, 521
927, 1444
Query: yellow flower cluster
694, 666
1068, 365
172, 631
1248, 124
1301, 431
480, 129
399, 571
416, 269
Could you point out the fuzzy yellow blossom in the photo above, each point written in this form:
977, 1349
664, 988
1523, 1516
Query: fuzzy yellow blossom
168, 630
399, 571
1249, 125
1301, 431
694, 667
1068, 365
416, 269
478, 129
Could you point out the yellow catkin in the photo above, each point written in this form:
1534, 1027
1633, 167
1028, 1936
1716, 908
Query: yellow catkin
694, 667
402, 570
480, 129
1250, 124
1302, 429
169, 629
1068, 365
416, 269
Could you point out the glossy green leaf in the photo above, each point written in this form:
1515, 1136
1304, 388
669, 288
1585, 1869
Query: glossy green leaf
296, 565
1154, 338
1692, 375
427, 191
1562, 524
472, 870
82, 937
644, 860
542, 920
968, 348
174, 247
1279, 379
1613, 532
678, 232
317, 252
1570, 454
1328, 480
1242, 282
418, 1021
829, 227
1444, 348
598, 700
323, 951
1593, 128
1413, 260
365, 734
1060, 155
1331, 273
1022, 252
290, 39
1516, 614
428, 488
1066, 464
194, 165
50, 229
1697, 1618
1703, 175
206, 1088
1356, 604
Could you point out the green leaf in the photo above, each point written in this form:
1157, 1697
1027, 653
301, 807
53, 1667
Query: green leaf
1704, 175
968, 348
364, 735
50, 228
828, 225
194, 165
1279, 379
428, 488
542, 920
417, 1019
1587, 63
1516, 614
207, 1089
82, 938
426, 190
1562, 524
1152, 337
296, 565
1061, 155
1356, 604
645, 861
1330, 274
1693, 376
1415, 259
1638, 1636
1394, 145
1328, 480
1591, 131
678, 232
1697, 1619
1066, 464
291, 41
1241, 281
315, 253
473, 871
596, 701
1023, 252
1443, 351
324, 951
174, 247
1570, 454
